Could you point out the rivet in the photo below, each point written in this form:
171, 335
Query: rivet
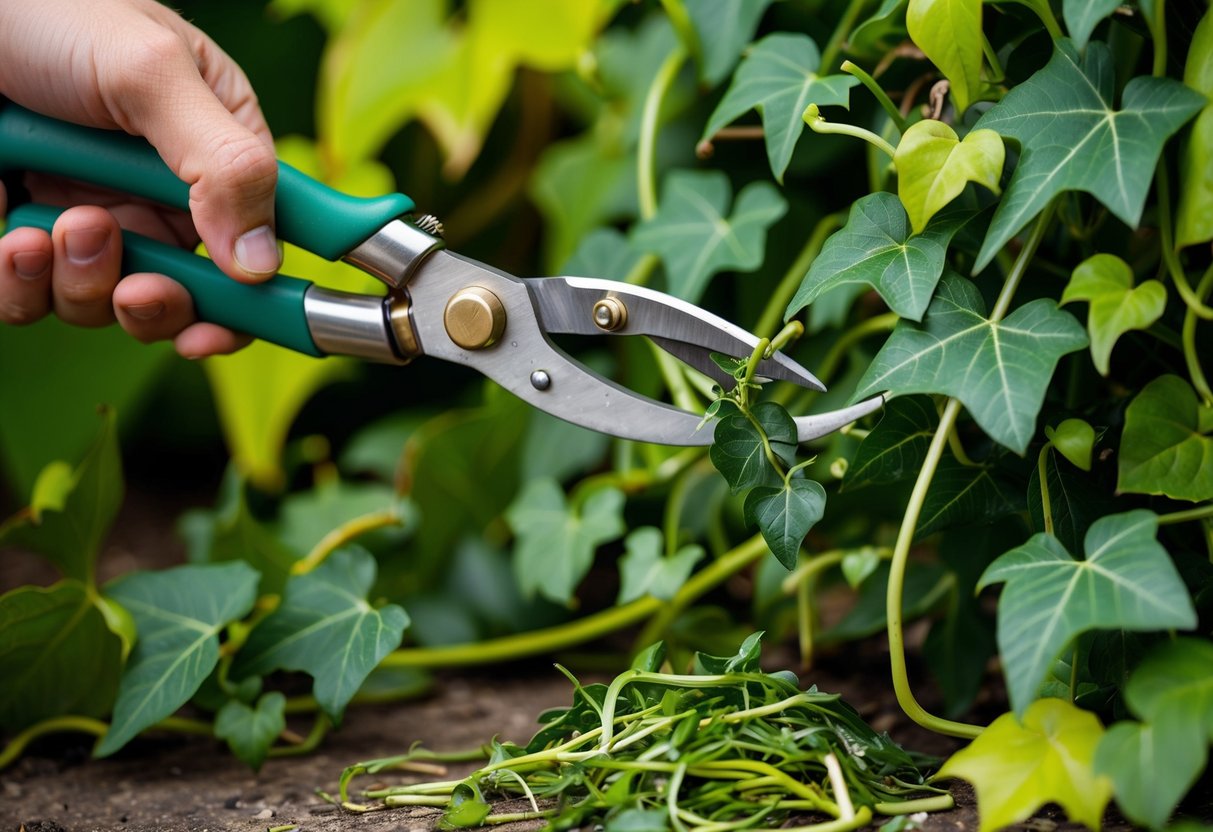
610, 314
540, 380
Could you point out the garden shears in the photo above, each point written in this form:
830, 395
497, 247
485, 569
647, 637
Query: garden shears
438, 303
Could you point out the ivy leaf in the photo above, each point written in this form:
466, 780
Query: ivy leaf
998, 370
949, 33
778, 77
1194, 217
250, 732
326, 628
877, 248
1126, 582
1072, 139
965, 494
1074, 500
785, 515
71, 510
694, 237
881, 31
53, 639
934, 165
724, 28
1106, 282
1082, 16
178, 614
896, 447
1166, 447
737, 450
643, 570
306, 517
925, 585
1074, 439
555, 545
605, 253
1016, 768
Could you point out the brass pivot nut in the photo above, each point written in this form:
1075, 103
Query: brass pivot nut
610, 314
474, 318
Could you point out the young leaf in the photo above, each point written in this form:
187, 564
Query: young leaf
1016, 768
1194, 217
250, 732
963, 494
1074, 439
737, 449
696, 239
178, 613
778, 77
896, 447
326, 628
1072, 139
1127, 582
555, 547
54, 639
1106, 282
999, 370
949, 33
876, 248
1166, 445
934, 165
881, 31
785, 515
724, 28
643, 570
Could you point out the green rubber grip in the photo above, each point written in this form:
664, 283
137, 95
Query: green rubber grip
309, 214
272, 311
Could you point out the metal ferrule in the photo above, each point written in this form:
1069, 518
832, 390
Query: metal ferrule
342, 323
394, 252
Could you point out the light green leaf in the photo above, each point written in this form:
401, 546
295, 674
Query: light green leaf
643, 570
737, 449
785, 515
69, 516
949, 33
962, 494
934, 165
1167, 446
877, 248
326, 628
1194, 217
54, 640
880, 32
250, 732
998, 370
178, 613
778, 77
858, 565
896, 447
1072, 139
554, 546
1082, 16
1074, 439
696, 239
1017, 767
1106, 282
724, 28
1127, 581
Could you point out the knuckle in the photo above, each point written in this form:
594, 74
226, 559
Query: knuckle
145, 62
249, 164
17, 314
82, 293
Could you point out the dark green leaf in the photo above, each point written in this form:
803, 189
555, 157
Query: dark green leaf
250, 732
1082, 16
963, 494
325, 627
558, 449
925, 585
724, 28
785, 515
644, 571
998, 370
605, 253
178, 614
896, 447
1072, 139
1074, 499
737, 450
1166, 447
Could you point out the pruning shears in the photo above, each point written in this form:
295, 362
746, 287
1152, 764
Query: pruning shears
438, 303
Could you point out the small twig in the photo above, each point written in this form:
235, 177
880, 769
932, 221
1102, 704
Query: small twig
740, 132
939, 98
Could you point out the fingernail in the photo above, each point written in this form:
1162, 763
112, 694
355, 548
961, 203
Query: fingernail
85, 245
31, 265
144, 311
256, 251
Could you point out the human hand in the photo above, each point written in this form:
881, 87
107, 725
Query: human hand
136, 66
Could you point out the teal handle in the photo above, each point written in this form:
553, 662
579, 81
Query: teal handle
272, 311
310, 214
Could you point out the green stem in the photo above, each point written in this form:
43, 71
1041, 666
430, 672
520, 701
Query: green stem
1074, 671
672, 516
676, 380
1046, 507
646, 176
343, 534
997, 74
1167, 242
818, 124
1158, 31
184, 725
677, 13
841, 32
320, 727
894, 114
55, 725
804, 620
1197, 374
837, 352
1198, 513
939, 803
958, 450
794, 276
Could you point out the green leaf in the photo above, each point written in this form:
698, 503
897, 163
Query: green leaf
1194, 217
1074, 500
724, 28
858, 565
307, 516
555, 546
963, 494
1072, 139
877, 248
69, 518
696, 239
934, 165
1082, 16
643, 570
466, 809
737, 450
1106, 282
778, 77
896, 447
949, 33
250, 732
326, 628
998, 370
1127, 581
880, 32
785, 515
605, 253
54, 640
1016, 768
1166, 447
1074, 439
925, 585
178, 614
